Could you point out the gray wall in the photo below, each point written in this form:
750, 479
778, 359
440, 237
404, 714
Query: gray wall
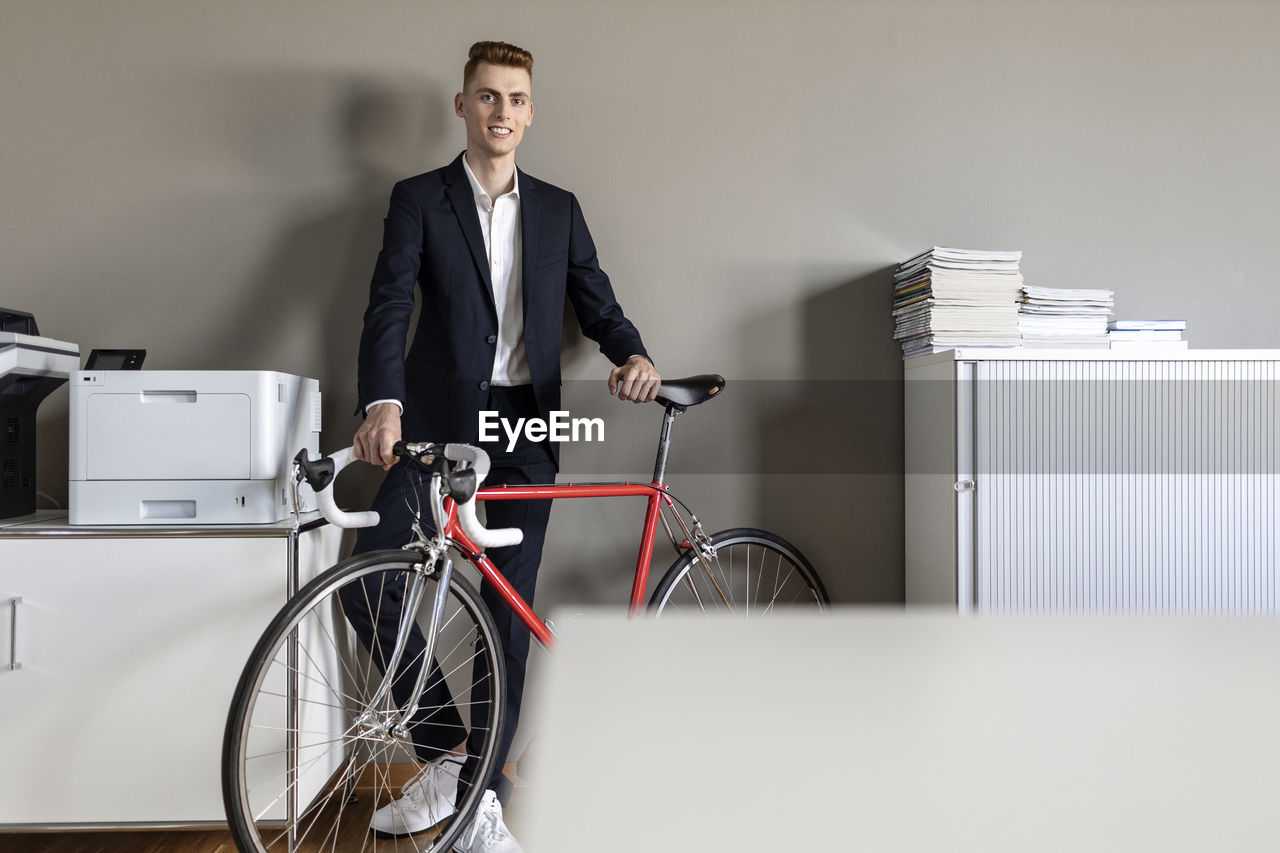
206, 179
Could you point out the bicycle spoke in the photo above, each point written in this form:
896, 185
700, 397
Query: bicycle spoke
706, 570
320, 669
279, 752
694, 589
306, 674
305, 701
317, 811
311, 763
347, 786
342, 614
774, 597
759, 578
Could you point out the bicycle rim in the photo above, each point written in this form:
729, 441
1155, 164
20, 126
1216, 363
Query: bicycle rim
350, 760
753, 573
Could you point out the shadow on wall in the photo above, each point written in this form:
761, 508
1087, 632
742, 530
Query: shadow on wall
302, 311
836, 488
256, 228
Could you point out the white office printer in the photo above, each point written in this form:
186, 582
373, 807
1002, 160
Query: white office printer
188, 447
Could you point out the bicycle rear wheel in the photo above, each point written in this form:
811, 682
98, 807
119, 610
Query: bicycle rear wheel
350, 757
752, 573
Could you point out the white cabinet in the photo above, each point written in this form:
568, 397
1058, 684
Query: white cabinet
130, 642
1093, 481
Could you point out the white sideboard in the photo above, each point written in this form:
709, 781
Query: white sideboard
119, 651
1086, 480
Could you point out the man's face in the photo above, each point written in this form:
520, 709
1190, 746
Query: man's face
496, 107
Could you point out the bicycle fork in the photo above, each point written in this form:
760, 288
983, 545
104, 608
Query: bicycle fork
395, 724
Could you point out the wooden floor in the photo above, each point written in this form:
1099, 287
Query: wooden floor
209, 841
131, 841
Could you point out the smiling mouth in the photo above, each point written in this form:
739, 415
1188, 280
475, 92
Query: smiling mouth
500, 132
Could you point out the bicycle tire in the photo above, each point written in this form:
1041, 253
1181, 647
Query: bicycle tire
733, 580
336, 756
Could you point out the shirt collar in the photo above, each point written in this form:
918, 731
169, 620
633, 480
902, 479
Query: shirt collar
478, 191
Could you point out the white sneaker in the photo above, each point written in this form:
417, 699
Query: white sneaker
486, 832
425, 800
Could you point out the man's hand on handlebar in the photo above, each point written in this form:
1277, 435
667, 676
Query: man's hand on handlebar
377, 436
637, 380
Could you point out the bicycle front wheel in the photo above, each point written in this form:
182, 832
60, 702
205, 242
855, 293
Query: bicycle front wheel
752, 573
316, 742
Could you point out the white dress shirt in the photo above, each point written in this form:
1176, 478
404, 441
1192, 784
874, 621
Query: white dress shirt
500, 224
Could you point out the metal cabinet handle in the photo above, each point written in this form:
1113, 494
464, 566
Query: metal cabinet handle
15, 659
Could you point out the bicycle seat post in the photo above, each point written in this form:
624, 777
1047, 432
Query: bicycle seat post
664, 443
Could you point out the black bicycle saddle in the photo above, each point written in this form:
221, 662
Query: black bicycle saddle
691, 390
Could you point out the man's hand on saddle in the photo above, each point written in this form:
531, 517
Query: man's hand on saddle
637, 380
378, 435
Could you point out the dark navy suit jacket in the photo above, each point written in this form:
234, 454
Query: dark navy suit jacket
432, 237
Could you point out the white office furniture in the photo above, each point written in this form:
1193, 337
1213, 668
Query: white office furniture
933, 733
1088, 480
119, 652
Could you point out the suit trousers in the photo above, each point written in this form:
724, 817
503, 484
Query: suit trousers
528, 463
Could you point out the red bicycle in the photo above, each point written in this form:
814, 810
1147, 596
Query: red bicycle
316, 738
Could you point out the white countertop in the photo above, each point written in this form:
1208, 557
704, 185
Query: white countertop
1099, 354
53, 522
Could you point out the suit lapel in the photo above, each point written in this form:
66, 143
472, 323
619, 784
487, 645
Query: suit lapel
530, 220
464, 208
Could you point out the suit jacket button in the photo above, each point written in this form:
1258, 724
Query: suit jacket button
484, 385
492, 339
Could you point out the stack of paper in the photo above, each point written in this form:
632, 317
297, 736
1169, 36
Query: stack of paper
945, 298
1147, 334
1056, 317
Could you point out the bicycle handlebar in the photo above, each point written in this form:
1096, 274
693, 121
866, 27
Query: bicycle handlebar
324, 496
481, 535
471, 456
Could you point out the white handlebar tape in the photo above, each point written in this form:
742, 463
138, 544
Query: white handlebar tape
474, 456
481, 535
329, 509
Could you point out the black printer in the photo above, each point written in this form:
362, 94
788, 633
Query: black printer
30, 368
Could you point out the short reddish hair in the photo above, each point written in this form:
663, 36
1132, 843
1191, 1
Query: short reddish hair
495, 53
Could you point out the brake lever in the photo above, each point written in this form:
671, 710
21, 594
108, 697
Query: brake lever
318, 473
461, 484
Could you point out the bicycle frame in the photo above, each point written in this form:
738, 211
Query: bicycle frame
655, 491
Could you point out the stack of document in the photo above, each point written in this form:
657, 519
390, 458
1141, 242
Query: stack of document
1147, 334
946, 298
1056, 317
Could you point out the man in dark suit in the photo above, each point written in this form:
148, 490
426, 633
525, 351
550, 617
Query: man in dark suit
495, 253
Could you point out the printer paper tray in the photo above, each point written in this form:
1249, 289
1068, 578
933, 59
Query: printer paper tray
181, 502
